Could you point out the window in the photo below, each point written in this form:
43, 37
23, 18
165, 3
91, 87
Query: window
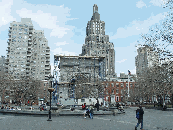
117, 91
112, 91
117, 85
117, 98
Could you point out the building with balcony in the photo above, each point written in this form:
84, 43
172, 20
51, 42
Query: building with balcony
28, 53
2, 65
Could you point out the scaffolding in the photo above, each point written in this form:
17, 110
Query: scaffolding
77, 70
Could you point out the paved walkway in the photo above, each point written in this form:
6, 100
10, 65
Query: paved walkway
153, 120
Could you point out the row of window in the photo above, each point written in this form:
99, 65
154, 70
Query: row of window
117, 85
20, 25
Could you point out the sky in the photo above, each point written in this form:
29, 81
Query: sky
64, 23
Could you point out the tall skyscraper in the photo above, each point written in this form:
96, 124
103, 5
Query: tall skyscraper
97, 43
145, 59
28, 54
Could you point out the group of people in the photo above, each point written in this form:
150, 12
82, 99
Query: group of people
139, 113
9, 108
120, 107
43, 107
88, 110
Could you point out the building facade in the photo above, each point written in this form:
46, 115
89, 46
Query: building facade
90, 67
2, 65
117, 91
97, 43
28, 54
146, 58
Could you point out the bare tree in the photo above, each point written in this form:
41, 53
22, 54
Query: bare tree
158, 79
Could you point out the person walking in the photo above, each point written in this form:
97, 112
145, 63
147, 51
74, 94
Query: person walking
84, 108
97, 105
139, 116
88, 112
91, 112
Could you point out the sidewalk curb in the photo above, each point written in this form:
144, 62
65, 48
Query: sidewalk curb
62, 113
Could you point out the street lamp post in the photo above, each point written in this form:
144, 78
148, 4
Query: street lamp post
50, 90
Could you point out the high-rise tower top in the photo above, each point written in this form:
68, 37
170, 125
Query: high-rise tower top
95, 9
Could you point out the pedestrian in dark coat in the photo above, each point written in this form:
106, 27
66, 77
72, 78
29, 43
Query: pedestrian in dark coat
97, 105
140, 119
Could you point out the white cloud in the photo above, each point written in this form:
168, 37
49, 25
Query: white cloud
49, 21
121, 61
140, 4
138, 27
56, 22
5, 9
158, 2
61, 43
61, 52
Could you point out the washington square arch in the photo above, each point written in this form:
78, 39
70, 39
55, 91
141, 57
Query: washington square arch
81, 76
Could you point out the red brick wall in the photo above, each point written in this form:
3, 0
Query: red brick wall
109, 89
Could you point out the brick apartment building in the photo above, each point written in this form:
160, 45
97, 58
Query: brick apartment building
117, 91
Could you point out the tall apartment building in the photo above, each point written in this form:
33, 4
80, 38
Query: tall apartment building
146, 58
97, 43
28, 54
2, 65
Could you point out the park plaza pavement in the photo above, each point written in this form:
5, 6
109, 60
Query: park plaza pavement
153, 120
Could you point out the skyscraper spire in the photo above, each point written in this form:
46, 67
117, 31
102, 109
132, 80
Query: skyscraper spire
97, 43
95, 9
